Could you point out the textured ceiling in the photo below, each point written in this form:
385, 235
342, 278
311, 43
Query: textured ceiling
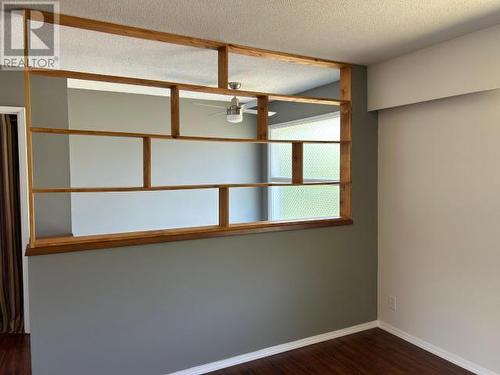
95, 52
357, 31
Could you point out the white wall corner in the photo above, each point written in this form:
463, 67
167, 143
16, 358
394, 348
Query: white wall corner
247, 357
450, 357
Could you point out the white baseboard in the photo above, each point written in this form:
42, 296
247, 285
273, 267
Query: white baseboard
459, 361
203, 369
450, 357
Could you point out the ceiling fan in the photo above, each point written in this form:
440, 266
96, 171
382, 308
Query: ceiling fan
234, 113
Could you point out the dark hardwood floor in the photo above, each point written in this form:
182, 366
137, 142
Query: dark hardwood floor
369, 352
365, 353
15, 355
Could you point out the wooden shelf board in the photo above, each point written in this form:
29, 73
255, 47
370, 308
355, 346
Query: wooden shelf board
183, 86
178, 187
287, 57
56, 245
104, 133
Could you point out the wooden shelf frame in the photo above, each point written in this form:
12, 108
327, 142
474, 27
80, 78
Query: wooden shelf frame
39, 246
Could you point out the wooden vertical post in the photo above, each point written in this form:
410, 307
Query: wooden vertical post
29, 156
345, 83
223, 67
345, 146
26, 38
174, 112
223, 206
29, 142
146, 161
262, 117
297, 162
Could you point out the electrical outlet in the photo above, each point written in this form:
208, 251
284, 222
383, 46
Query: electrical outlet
392, 301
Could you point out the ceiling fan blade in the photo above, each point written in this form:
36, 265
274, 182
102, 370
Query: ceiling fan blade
217, 114
251, 111
210, 105
254, 112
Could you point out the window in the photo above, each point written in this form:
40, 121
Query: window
321, 163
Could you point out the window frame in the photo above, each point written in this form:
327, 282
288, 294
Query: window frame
324, 116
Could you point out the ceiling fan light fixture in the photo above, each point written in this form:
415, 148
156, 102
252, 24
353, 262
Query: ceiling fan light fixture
234, 114
234, 118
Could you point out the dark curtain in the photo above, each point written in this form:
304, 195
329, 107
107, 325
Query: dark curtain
11, 275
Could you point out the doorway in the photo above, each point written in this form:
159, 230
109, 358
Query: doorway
14, 224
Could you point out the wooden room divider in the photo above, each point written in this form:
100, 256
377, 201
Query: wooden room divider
40, 246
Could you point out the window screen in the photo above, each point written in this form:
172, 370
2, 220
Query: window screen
321, 163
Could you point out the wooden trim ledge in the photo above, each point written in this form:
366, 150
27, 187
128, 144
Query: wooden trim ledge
58, 245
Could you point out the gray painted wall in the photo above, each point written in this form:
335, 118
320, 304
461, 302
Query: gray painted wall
51, 164
159, 308
104, 161
443, 271
286, 111
49, 109
12, 84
